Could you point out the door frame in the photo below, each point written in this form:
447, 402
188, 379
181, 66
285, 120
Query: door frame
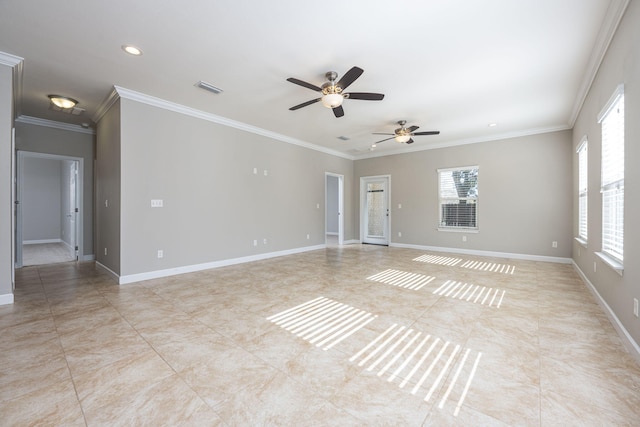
22, 154
340, 205
363, 205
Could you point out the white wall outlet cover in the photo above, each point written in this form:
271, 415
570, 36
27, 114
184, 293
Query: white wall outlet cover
255, 171
399, 205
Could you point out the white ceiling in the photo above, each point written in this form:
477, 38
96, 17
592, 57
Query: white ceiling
448, 65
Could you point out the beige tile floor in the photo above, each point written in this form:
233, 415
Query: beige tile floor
347, 336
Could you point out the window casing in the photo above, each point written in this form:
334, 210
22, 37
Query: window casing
583, 189
458, 198
612, 176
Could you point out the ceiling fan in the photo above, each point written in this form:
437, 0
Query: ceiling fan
333, 92
403, 135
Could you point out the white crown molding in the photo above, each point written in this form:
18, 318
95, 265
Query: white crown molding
615, 12
105, 105
466, 141
17, 63
188, 111
55, 125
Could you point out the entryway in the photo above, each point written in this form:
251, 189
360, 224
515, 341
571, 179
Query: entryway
374, 210
48, 208
334, 205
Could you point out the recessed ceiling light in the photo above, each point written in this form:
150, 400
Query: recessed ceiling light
63, 102
492, 125
131, 50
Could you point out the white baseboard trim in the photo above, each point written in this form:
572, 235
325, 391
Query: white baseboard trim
6, 299
37, 242
132, 278
107, 270
351, 242
508, 255
628, 342
331, 233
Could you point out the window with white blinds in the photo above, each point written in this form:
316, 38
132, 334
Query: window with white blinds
612, 175
583, 188
458, 197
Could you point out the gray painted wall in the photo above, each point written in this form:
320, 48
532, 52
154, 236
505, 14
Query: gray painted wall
523, 205
621, 65
42, 139
214, 205
41, 199
332, 204
6, 207
108, 182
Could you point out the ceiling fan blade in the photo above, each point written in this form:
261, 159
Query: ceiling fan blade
304, 84
365, 95
378, 142
338, 111
377, 133
410, 141
350, 77
412, 128
434, 132
304, 104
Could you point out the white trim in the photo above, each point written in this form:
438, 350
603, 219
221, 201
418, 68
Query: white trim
611, 102
6, 299
107, 270
188, 111
132, 278
105, 105
42, 241
465, 141
508, 255
10, 60
55, 125
582, 143
90, 257
352, 242
611, 262
610, 24
628, 342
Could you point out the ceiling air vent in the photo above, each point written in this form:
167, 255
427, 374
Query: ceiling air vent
209, 87
344, 138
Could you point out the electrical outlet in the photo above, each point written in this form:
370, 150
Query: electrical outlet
266, 172
157, 203
255, 243
594, 266
464, 238
635, 307
554, 244
264, 241
106, 203
399, 205
160, 253
255, 171
308, 237
105, 251
399, 233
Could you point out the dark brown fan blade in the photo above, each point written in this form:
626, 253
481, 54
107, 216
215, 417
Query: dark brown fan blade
304, 104
365, 95
338, 111
410, 141
412, 128
304, 84
434, 132
350, 77
384, 140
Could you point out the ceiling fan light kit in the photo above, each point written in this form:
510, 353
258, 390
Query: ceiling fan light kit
404, 135
63, 102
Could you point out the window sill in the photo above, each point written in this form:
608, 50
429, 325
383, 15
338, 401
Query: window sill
611, 262
458, 229
581, 241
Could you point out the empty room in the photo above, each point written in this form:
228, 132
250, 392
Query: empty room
234, 214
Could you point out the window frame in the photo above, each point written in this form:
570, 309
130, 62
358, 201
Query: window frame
441, 199
612, 184
583, 191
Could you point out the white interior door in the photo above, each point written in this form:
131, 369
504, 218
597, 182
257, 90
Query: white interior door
375, 210
334, 202
72, 208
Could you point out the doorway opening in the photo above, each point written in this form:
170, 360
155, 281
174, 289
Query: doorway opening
48, 209
375, 222
334, 208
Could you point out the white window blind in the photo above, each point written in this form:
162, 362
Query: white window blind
458, 197
612, 173
583, 188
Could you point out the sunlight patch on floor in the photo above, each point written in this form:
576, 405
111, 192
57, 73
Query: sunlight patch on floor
439, 260
421, 361
322, 321
402, 279
473, 293
489, 266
